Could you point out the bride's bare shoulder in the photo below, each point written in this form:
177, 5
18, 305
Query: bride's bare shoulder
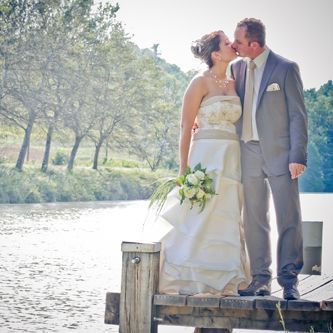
198, 85
200, 78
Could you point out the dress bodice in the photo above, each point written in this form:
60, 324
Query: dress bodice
219, 112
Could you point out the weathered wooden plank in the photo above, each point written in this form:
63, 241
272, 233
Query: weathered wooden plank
245, 303
208, 302
176, 300
270, 303
139, 283
327, 305
140, 247
313, 282
252, 319
311, 287
256, 319
112, 308
303, 305
139, 309
304, 281
194, 316
321, 292
318, 320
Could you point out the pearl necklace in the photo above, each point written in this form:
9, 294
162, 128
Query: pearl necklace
221, 83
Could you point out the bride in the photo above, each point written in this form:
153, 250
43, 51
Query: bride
204, 252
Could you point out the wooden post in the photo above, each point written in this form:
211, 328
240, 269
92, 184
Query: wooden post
139, 283
312, 247
112, 308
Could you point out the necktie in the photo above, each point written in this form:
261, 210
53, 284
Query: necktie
248, 103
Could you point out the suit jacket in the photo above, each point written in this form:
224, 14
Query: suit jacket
281, 115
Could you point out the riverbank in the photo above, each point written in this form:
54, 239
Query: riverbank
83, 184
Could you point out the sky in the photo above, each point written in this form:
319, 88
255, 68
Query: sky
300, 30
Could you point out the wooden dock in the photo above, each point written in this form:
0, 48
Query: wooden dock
138, 308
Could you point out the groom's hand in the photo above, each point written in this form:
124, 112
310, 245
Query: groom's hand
296, 170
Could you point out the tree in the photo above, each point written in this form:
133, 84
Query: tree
157, 117
313, 178
24, 83
112, 82
87, 81
34, 85
325, 108
319, 175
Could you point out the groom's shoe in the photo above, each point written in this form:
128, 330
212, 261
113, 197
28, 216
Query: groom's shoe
257, 288
290, 292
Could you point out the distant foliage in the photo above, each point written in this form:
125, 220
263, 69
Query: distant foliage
60, 158
319, 174
33, 186
69, 66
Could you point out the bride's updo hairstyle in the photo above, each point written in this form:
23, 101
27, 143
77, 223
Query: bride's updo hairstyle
202, 48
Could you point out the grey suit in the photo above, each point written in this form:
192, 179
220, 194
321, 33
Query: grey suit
282, 127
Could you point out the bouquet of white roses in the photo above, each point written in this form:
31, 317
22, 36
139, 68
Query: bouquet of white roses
195, 186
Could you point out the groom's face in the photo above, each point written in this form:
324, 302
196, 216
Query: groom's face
241, 44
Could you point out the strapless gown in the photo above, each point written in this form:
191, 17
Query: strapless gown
204, 252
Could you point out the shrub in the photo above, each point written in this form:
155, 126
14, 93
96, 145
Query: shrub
60, 158
32, 186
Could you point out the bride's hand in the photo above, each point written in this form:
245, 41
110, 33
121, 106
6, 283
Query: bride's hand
180, 173
194, 128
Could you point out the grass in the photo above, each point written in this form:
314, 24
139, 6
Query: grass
283, 324
120, 177
82, 184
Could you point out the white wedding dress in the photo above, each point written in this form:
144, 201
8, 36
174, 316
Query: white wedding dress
204, 252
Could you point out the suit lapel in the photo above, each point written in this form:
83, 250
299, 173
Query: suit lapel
241, 80
269, 67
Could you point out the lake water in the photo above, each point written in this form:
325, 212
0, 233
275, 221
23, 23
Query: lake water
57, 261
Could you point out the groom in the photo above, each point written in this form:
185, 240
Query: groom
273, 131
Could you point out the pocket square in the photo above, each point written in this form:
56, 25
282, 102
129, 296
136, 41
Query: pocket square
273, 87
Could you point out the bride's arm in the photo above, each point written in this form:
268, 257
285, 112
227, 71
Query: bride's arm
191, 104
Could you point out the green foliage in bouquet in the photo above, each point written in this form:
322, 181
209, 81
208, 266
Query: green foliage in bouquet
195, 186
159, 196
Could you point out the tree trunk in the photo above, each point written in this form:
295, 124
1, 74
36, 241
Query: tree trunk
73, 153
46, 157
106, 150
28, 152
49, 135
25, 144
97, 150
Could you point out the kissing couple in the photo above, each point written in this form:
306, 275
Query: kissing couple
249, 130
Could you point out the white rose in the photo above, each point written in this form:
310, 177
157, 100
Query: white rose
192, 179
200, 175
189, 192
200, 194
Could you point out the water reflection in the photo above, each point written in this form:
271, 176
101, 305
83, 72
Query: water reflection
58, 261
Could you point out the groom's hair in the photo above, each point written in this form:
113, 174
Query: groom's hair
255, 30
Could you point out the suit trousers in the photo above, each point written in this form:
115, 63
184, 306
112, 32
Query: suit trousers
257, 183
